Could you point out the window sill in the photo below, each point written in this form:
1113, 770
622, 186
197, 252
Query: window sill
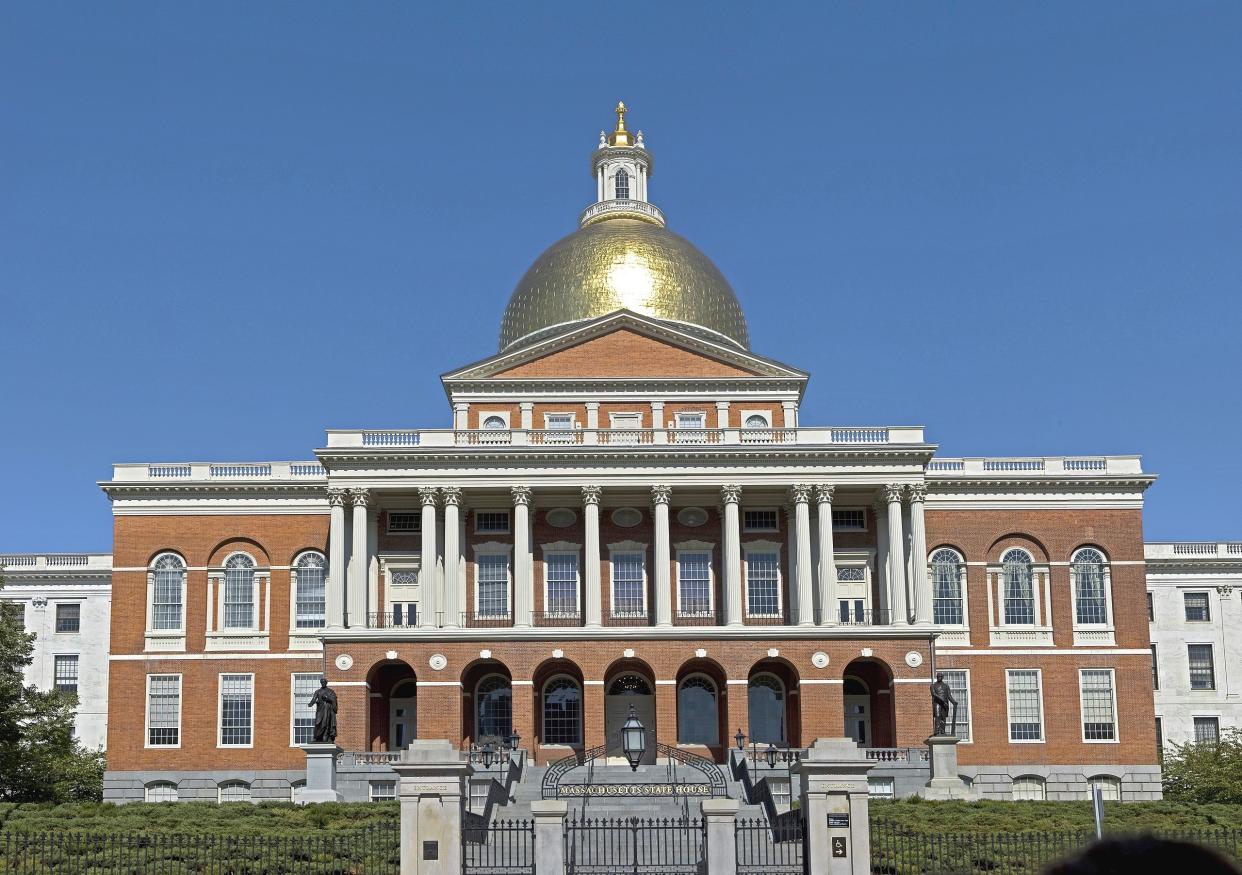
1028, 636
1104, 637
237, 640
303, 639
165, 642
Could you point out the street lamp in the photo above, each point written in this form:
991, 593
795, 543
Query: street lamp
740, 738
770, 753
633, 740
488, 753
513, 739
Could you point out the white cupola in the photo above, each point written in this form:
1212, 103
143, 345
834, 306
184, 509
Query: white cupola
621, 166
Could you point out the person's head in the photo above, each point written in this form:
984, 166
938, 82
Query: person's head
940, 676
323, 682
1136, 855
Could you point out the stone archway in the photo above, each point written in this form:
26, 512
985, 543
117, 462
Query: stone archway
394, 705
629, 685
870, 713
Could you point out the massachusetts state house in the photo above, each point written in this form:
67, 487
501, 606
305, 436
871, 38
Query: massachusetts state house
626, 509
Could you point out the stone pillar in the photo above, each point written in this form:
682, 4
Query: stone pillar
461, 415
722, 414
920, 584
428, 580
449, 598
321, 773
659, 436
732, 552
835, 807
789, 411
549, 815
805, 595
827, 560
591, 596
336, 559
945, 781
660, 496
431, 776
356, 595
720, 819
884, 601
592, 414
896, 557
523, 566
527, 411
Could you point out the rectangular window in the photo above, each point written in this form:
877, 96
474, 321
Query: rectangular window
849, 519
236, 710
1026, 722
239, 597
881, 788
66, 674
1197, 610
763, 585
1155, 669
310, 596
479, 791
166, 592
759, 520
628, 589
626, 420
492, 585
852, 611
304, 686
562, 589
960, 685
1151, 610
14, 612
694, 584
1099, 711
383, 791
1159, 739
1202, 667
68, 617
691, 420
559, 421
1207, 730
404, 522
163, 710
493, 521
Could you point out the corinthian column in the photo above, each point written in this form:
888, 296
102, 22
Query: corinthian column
591, 596
920, 586
804, 596
827, 561
356, 597
732, 550
450, 604
896, 556
660, 496
523, 588
428, 580
336, 559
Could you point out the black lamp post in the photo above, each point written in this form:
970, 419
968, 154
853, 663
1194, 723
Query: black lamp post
740, 738
633, 740
513, 739
488, 754
770, 753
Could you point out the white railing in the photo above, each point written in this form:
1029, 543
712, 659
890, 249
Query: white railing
81, 561
860, 435
1192, 549
144, 472
231, 471
1036, 465
390, 438
604, 208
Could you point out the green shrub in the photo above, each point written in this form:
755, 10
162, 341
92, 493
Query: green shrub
1205, 772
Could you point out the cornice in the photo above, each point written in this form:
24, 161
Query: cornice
705, 634
945, 485
214, 487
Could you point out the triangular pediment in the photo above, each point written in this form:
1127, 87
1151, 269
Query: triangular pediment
625, 345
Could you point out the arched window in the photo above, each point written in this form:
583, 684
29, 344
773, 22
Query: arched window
622, 185
310, 598
766, 709
698, 711
239, 592
235, 791
562, 711
630, 685
946, 575
1028, 788
1019, 588
495, 423
1090, 598
756, 420
167, 592
493, 699
161, 791
1109, 786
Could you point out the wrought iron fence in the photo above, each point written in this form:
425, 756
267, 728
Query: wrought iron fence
374, 849
609, 846
764, 850
506, 847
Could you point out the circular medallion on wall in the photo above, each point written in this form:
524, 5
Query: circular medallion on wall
692, 517
914, 659
344, 662
627, 517
819, 659
437, 661
561, 517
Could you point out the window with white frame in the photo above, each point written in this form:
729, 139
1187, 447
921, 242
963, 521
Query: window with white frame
626, 420
1099, 704
958, 680
849, 519
629, 589
691, 419
1025, 693
163, 710
1029, 788
161, 791
1019, 588
694, 583
1197, 608
947, 571
495, 422
881, 788
1207, 730
167, 593
491, 521
492, 585
68, 617
1088, 571
234, 791
621, 185
65, 673
852, 593
480, 791
303, 721
383, 791
236, 710
558, 421
239, 594
561, 584
1202, 666
756, 420
404, 522
1155, 669
764, 519
310, 593
562, 711
763, 583
1108, 785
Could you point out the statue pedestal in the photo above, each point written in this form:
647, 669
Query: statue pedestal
945, 782
320, 773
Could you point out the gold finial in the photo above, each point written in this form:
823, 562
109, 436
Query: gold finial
620, 137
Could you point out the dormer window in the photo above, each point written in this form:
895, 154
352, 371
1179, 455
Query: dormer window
622, 185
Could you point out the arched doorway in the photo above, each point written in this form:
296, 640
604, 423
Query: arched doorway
701, 692
394, 705
857, 711
487, 703
403, 715
867, 690
628, 688
765, 709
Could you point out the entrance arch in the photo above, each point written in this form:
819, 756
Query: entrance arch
394, 705
487, 702
629, 685
870, 712
772, 712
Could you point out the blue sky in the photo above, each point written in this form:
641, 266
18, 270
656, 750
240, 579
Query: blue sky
225, 227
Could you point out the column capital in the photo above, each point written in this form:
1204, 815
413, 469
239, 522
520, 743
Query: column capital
661, 494
800, 493
722, 405
526, 405
429, 495
893, 492
918, 492
361, 496
591, 494
337, 497
521, 494
730, 493
824, 492
592, 405
452, 495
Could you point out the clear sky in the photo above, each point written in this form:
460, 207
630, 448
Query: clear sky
226, 227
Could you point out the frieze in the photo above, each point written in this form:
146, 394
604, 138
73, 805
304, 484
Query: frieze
585, 790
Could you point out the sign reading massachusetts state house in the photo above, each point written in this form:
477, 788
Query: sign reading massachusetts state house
584, 790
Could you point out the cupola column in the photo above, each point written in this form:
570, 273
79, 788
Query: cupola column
523, 588
732, 549
896, 556
827, 561
660, 496
450, 605
591, 596
428, 579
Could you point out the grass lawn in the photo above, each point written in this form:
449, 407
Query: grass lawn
1010, 817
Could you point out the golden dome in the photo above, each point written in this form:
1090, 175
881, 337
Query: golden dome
623, 263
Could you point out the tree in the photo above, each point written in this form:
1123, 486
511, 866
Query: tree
40, 760
1201, 772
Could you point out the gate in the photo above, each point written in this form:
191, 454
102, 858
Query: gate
611, 846
764, 849
506, 847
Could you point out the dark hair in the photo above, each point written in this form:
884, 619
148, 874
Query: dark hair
1140, 854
